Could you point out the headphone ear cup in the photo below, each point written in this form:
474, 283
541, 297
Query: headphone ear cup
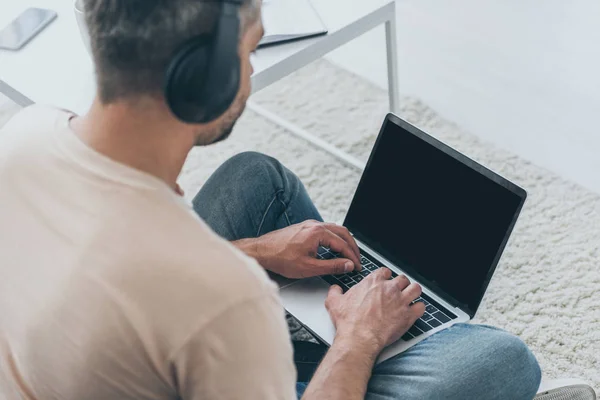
224, 69
203, 80
186, 75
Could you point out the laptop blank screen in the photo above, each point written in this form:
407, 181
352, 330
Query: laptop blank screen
432, 214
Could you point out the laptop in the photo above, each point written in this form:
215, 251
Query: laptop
427, 211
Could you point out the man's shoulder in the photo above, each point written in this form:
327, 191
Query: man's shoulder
34, 118
29, 130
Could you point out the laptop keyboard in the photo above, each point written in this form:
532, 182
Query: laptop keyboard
435, 314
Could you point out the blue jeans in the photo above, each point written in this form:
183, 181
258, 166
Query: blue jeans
252, 194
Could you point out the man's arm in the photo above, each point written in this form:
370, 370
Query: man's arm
244, 353
249, 247
344, 372
292, 251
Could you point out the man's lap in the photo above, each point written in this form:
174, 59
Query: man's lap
465, 361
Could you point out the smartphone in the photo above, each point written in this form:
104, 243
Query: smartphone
25, 27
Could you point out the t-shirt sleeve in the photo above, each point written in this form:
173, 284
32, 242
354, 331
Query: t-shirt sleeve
244, 353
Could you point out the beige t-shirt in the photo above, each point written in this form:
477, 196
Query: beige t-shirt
112, 288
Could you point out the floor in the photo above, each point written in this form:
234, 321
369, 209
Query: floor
524, 74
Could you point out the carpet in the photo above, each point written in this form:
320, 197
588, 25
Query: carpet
546, 288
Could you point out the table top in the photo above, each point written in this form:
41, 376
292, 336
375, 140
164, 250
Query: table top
55, 68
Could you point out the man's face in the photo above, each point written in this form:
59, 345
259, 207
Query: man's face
222, 127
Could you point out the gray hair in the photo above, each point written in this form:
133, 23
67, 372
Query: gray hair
134, 40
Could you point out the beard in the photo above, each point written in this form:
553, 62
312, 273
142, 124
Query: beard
223, 134
225, 127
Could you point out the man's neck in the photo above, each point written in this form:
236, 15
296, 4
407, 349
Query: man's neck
143, 137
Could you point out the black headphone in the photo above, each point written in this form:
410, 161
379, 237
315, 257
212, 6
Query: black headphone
203, 78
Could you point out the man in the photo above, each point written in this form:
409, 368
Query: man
111, 287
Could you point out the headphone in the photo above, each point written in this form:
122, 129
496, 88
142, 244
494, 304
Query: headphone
203, 78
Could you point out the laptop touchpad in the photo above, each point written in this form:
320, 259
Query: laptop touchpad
305, 300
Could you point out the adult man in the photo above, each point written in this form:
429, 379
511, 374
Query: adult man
111, 288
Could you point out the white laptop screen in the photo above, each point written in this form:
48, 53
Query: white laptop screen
434, 212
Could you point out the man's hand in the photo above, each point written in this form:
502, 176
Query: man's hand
370, 316
292, 251
376, 312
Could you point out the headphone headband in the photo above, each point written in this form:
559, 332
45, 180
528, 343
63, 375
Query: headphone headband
203, 79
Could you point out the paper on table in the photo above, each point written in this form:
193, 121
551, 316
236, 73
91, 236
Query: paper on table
290, 19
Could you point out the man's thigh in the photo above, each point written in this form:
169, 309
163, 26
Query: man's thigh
462, 362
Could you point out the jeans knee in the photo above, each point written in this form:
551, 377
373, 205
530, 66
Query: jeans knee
261, 170
493, 364
507, 369
522, 369
250, 171
240, 178
250, 161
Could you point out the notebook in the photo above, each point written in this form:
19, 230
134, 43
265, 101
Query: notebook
287, 20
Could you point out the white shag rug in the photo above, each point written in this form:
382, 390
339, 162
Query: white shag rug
547, 286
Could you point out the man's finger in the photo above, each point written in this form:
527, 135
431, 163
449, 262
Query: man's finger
382, 274
335, 266
338, 245
417, 310
402, 281
334, 293
412, 292
345, 234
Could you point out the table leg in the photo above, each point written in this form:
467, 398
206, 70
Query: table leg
392, 63
387, 15
15, 96
309, 137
